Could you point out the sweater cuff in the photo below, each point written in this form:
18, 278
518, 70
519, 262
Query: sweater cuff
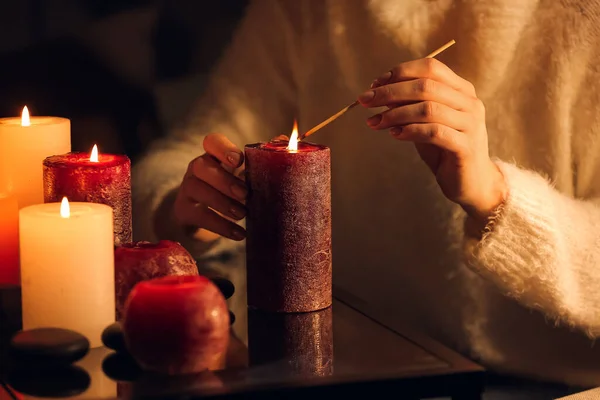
519, 238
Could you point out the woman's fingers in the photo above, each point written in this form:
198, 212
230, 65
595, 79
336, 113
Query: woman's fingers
423, 112
426, 68
201, 192
201, 216
211, 196
281, 137
416, 90
435, 134
210, 171
437, 110
221, 148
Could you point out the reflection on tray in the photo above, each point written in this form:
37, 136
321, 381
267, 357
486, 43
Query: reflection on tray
302, 343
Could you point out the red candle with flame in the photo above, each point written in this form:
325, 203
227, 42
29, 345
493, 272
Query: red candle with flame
93, 178
288, 245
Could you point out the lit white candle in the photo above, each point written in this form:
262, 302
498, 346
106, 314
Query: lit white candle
67, 267
24, 144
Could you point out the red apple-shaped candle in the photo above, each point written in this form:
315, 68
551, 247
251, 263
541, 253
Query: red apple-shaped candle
140, 261
93, 178
176, 324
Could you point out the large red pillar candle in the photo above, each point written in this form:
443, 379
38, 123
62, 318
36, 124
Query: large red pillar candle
9, 240
95, 178
288, 245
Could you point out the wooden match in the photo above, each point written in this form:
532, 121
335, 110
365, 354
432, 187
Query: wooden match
343, 110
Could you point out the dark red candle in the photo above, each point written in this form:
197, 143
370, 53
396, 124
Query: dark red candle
300, 343
141, 261
104, 179
288, 245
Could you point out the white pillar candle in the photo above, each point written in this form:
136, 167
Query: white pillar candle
67, 267
24, 144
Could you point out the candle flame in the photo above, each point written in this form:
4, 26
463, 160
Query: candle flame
25, 121
293, 144
65, 210
94, 155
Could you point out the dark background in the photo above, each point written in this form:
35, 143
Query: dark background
122, 70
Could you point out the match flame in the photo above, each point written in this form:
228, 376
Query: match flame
293, 144
94, 155
65, 210
25, 121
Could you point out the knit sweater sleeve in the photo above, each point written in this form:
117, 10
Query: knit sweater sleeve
250, 97
543, 248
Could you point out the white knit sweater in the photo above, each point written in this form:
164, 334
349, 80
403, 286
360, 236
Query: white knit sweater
526, 298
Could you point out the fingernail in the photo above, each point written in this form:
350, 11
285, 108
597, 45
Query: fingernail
383, 79
396, 130
374, 84
234, 158
366, 96
238, 234
237, 212
239, 191
374, 120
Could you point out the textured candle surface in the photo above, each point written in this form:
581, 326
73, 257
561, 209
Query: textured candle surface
9, 240
107, 181
67, 268
141, 261
302, 342
22, 151
176, 324
288, 245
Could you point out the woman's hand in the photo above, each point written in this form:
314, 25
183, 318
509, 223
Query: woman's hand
431, 106
211, 197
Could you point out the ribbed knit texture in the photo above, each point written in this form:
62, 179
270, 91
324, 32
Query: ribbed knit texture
593, 394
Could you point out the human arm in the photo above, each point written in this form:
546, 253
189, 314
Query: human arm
534, 243
543, 249
251, 97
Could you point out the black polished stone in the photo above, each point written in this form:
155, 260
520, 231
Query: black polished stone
58, 381
48, 346
120, 367
112, 337
225, 286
